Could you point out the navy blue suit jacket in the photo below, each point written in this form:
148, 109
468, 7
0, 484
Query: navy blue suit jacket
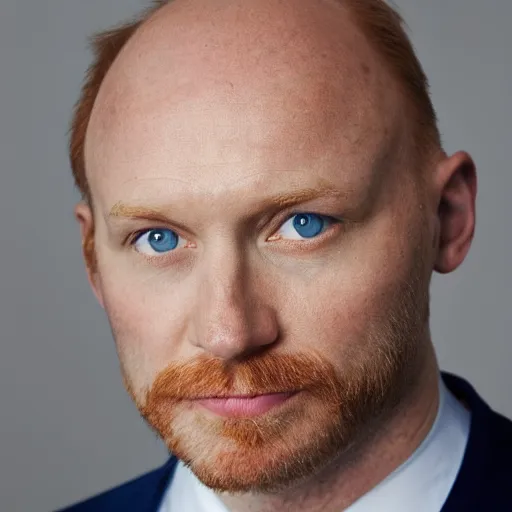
484, 482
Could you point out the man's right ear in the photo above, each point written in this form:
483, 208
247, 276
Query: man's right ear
84, 216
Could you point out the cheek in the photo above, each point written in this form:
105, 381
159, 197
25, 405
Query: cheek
350, 302
147, 322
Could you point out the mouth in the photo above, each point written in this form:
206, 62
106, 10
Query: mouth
244, 406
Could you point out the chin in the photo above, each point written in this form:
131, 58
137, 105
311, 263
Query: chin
264, 454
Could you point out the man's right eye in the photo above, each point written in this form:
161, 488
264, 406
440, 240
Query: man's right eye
154, 242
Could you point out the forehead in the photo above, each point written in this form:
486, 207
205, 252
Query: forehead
226, 90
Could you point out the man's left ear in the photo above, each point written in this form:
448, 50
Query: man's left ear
456, 186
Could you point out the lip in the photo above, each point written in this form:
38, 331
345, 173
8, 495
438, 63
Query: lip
244, 406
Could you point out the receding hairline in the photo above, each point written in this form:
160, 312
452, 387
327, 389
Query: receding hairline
380, 25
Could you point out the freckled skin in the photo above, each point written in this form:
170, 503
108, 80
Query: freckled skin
204, 122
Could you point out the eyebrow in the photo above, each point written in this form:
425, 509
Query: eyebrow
122, 210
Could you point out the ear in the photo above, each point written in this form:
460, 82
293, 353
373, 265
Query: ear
85, 218
456, 186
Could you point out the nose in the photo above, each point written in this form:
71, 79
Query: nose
233, 317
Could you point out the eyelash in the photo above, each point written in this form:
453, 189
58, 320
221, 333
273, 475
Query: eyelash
332, 223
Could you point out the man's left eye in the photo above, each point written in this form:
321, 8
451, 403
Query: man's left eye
303, 226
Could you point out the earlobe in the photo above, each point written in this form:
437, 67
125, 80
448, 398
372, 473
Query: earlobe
84, 216
457, 186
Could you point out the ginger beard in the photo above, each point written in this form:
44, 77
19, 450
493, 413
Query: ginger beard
334, 412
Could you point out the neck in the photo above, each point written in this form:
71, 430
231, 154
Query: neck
341, 483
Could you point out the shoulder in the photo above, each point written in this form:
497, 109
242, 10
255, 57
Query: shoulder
491, 433
483, 482
142, 494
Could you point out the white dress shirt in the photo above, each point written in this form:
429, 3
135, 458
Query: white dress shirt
422, 483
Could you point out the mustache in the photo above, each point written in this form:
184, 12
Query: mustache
259, 375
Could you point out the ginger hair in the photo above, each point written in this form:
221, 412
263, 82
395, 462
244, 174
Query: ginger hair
381, 24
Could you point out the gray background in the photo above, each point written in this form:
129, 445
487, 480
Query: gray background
67, 428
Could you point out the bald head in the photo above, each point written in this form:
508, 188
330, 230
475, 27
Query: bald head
226, 80
337, 61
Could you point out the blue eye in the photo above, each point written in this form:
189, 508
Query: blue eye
156, 241
305, 225
308, 225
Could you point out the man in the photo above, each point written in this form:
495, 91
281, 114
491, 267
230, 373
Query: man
265, 198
